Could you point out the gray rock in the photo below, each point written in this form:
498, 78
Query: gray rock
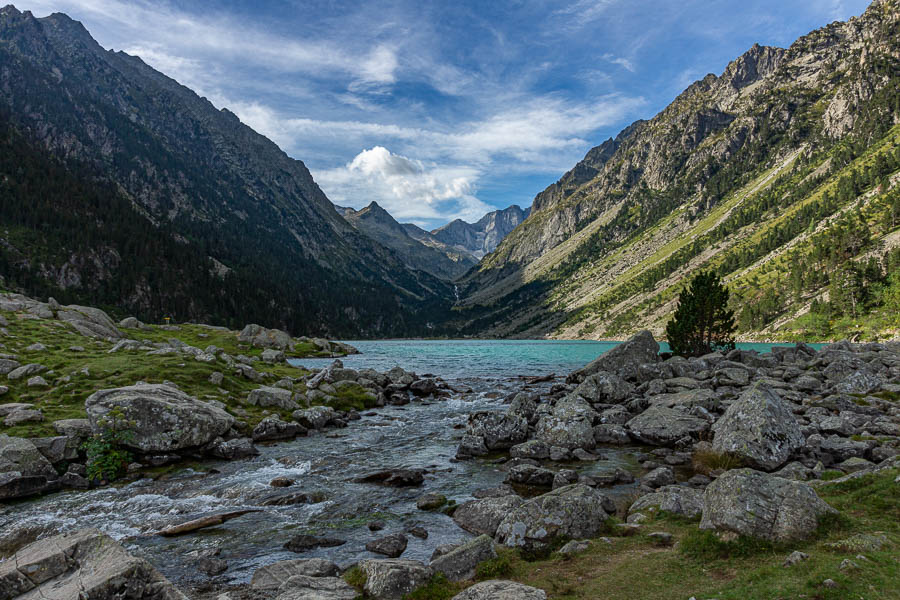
575, 547
20, 456
795, 557
391, 546
499, 431
496, 589
605, 388
304, 587
432, 501
25, 371
392, 579
8, 365
25, 415
273, 428
260, 337
271, 577
760, 505
569, 425
82, 564
688, 399
74, 428
675, 499
760, 428
395, 477
459, 564
235, 449
317, 417
659, 477
484, 515
534, 449
90, 322
37, 382
611, 434
574, 511
11, 407
624, 360
304, 542
162, 417
530, 475
268, 397
57, 449
663, 426
216, 378
272, 356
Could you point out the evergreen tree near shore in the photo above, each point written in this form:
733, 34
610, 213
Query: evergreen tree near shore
702, 322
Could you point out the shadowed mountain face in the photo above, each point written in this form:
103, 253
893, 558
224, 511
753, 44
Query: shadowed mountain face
417, 248
479, 239
757, 173
200, 177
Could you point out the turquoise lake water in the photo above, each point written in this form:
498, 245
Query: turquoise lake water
489, 359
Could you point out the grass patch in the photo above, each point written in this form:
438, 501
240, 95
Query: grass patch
437, 588
496, 568
356, 578
706, 461
831, 474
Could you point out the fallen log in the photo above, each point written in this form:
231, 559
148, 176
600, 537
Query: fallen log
208, 521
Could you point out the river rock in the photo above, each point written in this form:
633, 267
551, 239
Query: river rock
273, 428
675, 499
18, 455
392, 579
663, 426
575, 511
57, 449
611, 434
760, 428
605, 388
484, 515
533, 449
163, 418
659, 477
268, 397
496, 589
271, 577
570, 425
304, 542
624, 360
395, 477
261, 337
82, 564
459, 564
391, 546
432, 501
317, 417
498, 430
760, 505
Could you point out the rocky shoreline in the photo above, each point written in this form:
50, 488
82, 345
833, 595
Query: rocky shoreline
742, 444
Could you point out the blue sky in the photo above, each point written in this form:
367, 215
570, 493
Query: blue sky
440, 110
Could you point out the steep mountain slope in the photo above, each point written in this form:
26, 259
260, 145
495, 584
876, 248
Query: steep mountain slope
747, 173
480, 238
438, 259
207, 180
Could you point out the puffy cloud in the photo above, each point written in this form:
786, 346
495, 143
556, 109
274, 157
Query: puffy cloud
409, 189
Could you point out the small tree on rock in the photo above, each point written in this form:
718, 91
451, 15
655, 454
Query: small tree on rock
702, 322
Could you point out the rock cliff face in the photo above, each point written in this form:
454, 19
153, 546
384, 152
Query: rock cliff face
607, 241
417, 248
205, 178
481, 238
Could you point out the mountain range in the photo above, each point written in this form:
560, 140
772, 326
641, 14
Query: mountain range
120, 187
780, 174
218, 197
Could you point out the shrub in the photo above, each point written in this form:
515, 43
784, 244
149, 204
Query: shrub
495, 568
355, 577
706, 461
107, 456
437, 588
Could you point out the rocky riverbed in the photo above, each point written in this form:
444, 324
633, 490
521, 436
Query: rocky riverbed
436, 476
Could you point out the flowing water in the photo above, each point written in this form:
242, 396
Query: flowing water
419, 435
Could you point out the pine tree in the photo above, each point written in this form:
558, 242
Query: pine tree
702, 322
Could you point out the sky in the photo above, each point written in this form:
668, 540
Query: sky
446, 109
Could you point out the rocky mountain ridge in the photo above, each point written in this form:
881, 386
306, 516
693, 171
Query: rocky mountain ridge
214, 184
482, 237
722, 179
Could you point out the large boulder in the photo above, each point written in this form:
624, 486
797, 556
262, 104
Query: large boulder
624, 360
273, 428
570, 425
484, 515
82, 564
663, 426
89, 321
574, 511
391, 578
24, 471
498, 430
759, 505
317, 417
271, 577
268, 397
501, 590
161, 418
261, 337
603, 387
759, 428
674, 499
459, 564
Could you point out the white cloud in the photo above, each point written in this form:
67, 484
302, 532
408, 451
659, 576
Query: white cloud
409, 189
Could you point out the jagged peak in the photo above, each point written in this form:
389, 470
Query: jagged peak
9, 9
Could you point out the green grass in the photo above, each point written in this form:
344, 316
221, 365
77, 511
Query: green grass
75, 375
